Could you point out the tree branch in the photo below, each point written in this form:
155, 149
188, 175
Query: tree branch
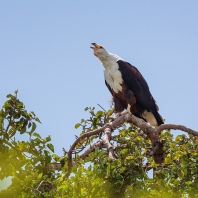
175, 127
98, 144
152, 133
92, 148
106, 141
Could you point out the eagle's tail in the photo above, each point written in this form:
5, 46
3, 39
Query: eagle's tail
153, 118
158, 118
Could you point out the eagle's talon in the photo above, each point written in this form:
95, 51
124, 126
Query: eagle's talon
117, 115
111, 119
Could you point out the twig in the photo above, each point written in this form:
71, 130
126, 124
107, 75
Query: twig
102, 108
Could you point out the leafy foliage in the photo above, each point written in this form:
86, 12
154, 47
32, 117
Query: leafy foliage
30, 162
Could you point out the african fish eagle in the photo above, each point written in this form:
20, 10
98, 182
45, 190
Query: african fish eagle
128, 87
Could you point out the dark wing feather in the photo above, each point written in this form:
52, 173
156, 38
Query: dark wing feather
137, 84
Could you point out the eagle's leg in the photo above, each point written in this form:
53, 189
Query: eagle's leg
128, 110
118, 105
130, 99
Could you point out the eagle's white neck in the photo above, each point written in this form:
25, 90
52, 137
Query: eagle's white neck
107, 59
112, 75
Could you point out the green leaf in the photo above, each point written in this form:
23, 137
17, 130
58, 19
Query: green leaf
48, 138
86, 108
23, 129
188, 183
95, 122
51, 147
29, 125
7, 105
32, 112
92, 113
96, 151
77, 125
37, 119
122, 140
33, 127
48, 159
12, 132
16, 91
36, 135
5, 135
109, 112
99, 113
9, 96
40, 175
108, 169
46, 152
124, 151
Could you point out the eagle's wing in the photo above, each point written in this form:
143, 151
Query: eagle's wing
137, 84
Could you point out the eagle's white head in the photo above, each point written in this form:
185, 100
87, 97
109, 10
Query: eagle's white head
100, 52
103, 55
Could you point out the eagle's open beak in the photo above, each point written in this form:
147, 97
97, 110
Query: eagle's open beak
95, 46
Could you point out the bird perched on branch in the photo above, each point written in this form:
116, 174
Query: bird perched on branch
128, 87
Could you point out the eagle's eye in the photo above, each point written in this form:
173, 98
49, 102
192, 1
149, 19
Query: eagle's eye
101, 47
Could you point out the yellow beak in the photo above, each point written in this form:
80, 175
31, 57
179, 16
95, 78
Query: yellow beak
95, 46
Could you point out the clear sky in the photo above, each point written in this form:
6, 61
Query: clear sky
45, 54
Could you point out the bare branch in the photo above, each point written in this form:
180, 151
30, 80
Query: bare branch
92, 148
106, 141
175, 127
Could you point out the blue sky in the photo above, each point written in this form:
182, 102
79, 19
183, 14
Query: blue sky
45, 54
